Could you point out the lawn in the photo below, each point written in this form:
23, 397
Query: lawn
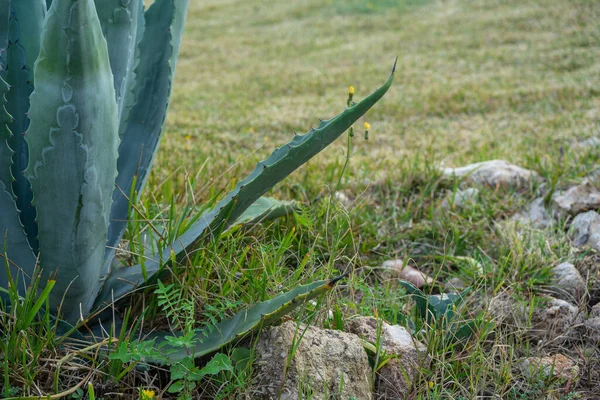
475, 80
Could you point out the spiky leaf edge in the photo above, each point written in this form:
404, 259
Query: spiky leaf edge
259, 315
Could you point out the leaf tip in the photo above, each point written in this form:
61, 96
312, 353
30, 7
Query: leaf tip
334, 281
394, 67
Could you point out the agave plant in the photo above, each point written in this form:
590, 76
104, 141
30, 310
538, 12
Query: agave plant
85, 87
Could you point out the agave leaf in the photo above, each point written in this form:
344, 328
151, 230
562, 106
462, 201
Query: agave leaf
119, 20
265, 209
433, 308
267, 174
26, 21
4, 30
282, 162
12, 236
143, 122
73, 141
228, 331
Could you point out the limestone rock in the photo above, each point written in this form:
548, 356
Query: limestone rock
595, 311
505, 309
323, 362
568, 283
551, 320
454, 285
396, 377
589, 331
535, 215
343, 199
588, 143
460, 198
557, 366
554, 320
585, 230
578, 199
494, 173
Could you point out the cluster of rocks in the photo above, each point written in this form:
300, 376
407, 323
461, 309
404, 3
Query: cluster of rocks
296, 361
563, 315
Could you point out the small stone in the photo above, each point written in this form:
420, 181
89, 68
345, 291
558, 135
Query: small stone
505, 309
550, 320
595, 313
328, 362
343, 199
589, 143
495, 174
455, 285
553, 320
557, 366
589, 331
395, 378
460, 198
568, 283
398, 269
535, 215
585, 230
578, 199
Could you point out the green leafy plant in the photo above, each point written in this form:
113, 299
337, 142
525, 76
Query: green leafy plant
439, 312
85, 87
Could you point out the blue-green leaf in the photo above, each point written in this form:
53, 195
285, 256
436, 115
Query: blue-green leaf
282, 162
259, 315
143, 122
120, 22
28, 15
265, 209
4, 30
21, 260
26, 22
73, 142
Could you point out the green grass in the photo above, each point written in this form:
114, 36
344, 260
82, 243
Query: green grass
476, 80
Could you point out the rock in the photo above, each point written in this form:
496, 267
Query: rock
585, 230
395, 378
535, 215
568, 283
343, 199
397, 269
455, 285
578, 199
553, 320
589, 331
460, 198
505, 309
326, 364
558, 366
594, 174
494, 173
588, 143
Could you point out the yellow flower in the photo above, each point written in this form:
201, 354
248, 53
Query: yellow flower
367, 126
147, 394
431, 384
187, 137
351, 90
